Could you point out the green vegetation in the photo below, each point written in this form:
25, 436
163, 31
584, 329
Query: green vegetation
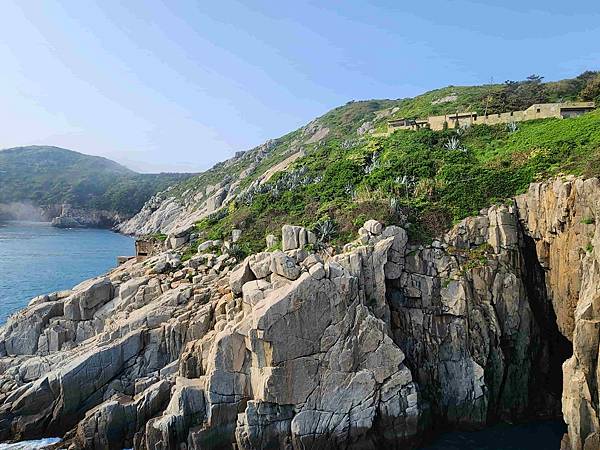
588, 221
591, 90
424, 180
473, 258
415, 177
342, 123
51, 175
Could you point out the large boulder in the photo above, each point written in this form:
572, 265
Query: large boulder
373, 226
240, 276
260, 264
87, 298
216, 201
283, 265
295, 237
21, 334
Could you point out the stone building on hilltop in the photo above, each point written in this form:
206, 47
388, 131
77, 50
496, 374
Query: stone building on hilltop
463, 119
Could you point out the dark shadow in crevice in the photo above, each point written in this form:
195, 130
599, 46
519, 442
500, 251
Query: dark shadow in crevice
551, 348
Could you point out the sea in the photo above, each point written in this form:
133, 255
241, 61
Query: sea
534, 435
36, 258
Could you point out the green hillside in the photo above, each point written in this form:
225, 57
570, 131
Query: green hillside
424, 178
46, 175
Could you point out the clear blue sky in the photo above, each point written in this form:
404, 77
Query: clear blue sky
180, 85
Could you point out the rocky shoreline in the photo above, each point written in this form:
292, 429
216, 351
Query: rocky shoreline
69, 217
61, 216
379, 346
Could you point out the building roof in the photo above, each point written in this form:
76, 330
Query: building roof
462, 114
578, 105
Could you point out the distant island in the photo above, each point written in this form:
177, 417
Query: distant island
73, 189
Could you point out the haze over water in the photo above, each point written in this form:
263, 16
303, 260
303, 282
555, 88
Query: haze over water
36, 258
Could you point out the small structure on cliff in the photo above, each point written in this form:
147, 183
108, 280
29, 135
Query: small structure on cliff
145, 247
461, 119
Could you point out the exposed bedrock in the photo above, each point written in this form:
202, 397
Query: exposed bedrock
562, 217
377, 347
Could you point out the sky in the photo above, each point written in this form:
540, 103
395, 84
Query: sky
180, 85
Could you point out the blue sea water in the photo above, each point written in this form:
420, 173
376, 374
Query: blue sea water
36, 258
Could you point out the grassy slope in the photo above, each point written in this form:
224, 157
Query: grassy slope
50, 175
345, 120
350, 185
349, 178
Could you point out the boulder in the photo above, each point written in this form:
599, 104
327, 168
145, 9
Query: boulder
87, 298
294, 237
22, 332
216, 201
373, 226
174, 242
253, 291
317, 271
206, 245
260, 264
283, 265
240, 276
311, 260
289, 237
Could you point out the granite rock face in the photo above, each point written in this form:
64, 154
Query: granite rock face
169, 211
70, 217
375, 347
563, 219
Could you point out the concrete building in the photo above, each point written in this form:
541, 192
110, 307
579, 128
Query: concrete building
144, 247
408, 124
462, 119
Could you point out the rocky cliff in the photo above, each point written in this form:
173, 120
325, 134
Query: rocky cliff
182, 205
61, 215
69, 217
378, 346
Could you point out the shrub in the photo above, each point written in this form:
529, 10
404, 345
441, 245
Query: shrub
591, 91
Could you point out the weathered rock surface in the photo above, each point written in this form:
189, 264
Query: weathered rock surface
169, 211
293, 237
563, 219
371, 348
69, 217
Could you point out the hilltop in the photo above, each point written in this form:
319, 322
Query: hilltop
342, 168
48, 177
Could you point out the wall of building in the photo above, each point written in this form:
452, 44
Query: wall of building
537, 111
